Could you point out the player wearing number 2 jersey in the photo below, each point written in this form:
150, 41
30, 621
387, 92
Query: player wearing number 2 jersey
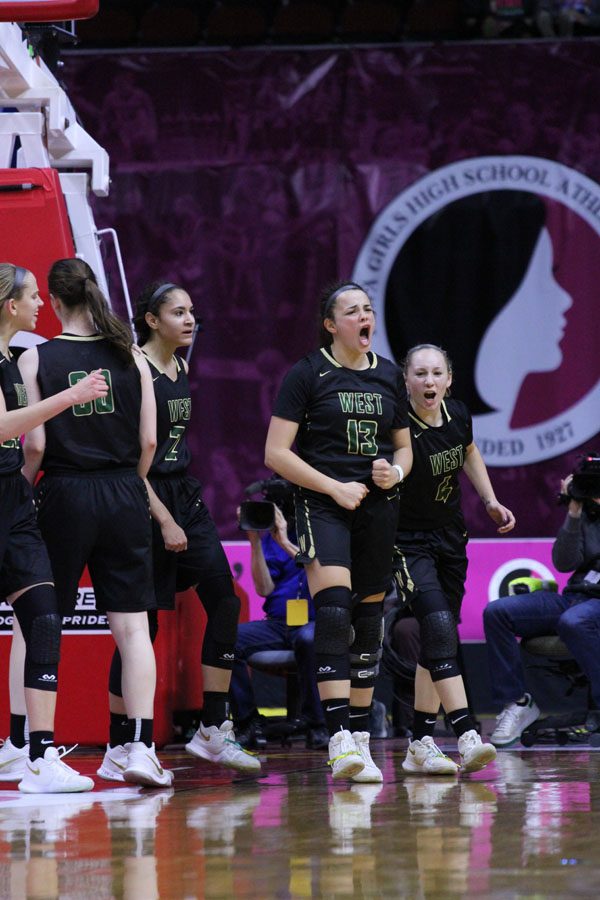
345, 409
93, 505
187, 550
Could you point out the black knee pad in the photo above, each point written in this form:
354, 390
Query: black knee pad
222, 607
440, 669
365, 650
438, 636
333, 618
37, 614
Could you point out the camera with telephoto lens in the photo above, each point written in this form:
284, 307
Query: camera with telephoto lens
585, 483
259, 515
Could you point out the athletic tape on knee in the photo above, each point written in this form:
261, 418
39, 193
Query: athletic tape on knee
37, 615
332, 631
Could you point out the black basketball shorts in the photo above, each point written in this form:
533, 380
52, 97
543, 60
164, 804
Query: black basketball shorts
23, 556
432, 562
361, 540
101, 519
204, 559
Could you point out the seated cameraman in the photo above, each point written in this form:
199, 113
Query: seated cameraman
570, 615
277, 578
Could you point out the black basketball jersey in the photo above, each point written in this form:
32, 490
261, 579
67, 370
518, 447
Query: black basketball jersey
431, 495
103, 434
15, 396
345, 416
173, 410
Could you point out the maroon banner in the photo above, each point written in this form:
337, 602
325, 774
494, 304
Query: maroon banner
459, 182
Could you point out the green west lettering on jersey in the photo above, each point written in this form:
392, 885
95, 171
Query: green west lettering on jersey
446, 460
180, 409
360, 402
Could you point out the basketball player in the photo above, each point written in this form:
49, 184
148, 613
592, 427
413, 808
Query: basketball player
25, 575
431, 556
345, 409
186, 547
92, 502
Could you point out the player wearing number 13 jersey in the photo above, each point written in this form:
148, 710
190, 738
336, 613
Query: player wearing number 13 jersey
93, 505
344, 409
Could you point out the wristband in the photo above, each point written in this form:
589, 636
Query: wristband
400, 471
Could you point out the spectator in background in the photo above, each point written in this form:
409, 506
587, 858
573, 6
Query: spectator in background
570, 615
499, 18
566, 18
278, 578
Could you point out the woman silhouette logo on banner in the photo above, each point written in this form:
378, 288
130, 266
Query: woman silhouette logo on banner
503, 278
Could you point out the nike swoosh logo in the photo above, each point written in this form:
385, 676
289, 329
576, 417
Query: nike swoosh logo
46, 742
9, 761
417, 435
321, 374
116, 764
156, 379
156, 765
332, 708
31, 769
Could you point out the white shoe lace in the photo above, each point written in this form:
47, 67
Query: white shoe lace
432, 749
505, 721
62, 752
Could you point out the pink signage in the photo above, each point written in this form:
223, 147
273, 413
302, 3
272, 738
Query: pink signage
492, 564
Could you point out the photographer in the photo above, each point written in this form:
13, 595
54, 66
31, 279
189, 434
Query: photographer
278, 579
570, 615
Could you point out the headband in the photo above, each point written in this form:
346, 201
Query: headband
160, 291
20, 275
349, 286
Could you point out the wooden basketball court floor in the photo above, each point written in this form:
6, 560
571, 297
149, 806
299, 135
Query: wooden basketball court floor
527, 826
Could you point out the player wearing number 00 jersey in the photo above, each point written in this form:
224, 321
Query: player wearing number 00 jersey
93, 504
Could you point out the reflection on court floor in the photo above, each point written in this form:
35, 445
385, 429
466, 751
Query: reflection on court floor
526, 825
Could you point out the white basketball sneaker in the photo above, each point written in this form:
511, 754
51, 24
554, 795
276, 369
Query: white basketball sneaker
114, 763
143, 766
424, 757
474, 754
50, 775
371, 773
218, 745
12, 760
344, 756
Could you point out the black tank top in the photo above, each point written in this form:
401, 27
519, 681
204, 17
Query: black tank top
15, 396
103, 434
173, 410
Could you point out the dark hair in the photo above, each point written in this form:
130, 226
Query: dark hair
12, 280
455, 273
73, 282
150, 300
327, 304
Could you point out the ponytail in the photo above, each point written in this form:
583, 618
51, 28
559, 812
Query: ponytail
73, 282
